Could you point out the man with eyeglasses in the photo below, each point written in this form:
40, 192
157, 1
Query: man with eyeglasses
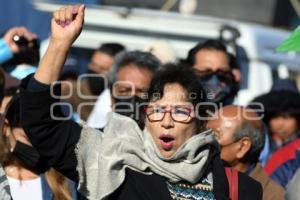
239, 132
217, 70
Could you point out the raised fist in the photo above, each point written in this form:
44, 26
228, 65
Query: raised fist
66, 24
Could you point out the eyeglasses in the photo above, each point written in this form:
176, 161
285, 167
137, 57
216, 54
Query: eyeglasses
182, 114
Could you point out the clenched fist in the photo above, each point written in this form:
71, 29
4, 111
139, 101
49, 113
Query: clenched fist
66, 24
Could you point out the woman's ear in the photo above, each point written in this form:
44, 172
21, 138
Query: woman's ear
244, 148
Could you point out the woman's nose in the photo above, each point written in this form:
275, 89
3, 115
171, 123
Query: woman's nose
167, 121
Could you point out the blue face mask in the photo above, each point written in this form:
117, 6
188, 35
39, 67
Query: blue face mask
216, 90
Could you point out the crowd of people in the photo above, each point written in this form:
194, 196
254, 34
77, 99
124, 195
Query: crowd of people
141, 127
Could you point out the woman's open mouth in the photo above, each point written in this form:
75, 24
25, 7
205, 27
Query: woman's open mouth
167, 141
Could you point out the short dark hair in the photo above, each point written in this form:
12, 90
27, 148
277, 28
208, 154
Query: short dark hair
185, 77
111, 49
217, 45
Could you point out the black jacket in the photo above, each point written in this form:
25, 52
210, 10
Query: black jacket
138, 186
56, 140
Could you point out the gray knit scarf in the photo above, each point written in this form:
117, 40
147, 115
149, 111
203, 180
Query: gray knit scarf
103, 157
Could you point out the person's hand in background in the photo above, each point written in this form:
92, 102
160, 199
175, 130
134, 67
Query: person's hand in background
21, 32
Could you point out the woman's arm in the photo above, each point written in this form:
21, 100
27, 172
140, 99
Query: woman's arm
66, 25
55, 140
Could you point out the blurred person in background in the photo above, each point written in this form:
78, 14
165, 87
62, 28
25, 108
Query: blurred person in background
283, 163
281, 112
19, 52
101, 63
217, 70
88, 92
19, 178
129, 80
69, 81
103, 58
15, 51
94, 85
239, 132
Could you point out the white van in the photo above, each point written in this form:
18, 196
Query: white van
253, 44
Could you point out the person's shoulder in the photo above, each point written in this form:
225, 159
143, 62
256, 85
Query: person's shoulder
249, 188
281, 156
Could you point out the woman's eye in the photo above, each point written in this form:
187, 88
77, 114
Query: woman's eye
181, 111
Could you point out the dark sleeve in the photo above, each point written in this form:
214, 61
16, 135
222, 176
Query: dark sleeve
249, 189
55, 140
